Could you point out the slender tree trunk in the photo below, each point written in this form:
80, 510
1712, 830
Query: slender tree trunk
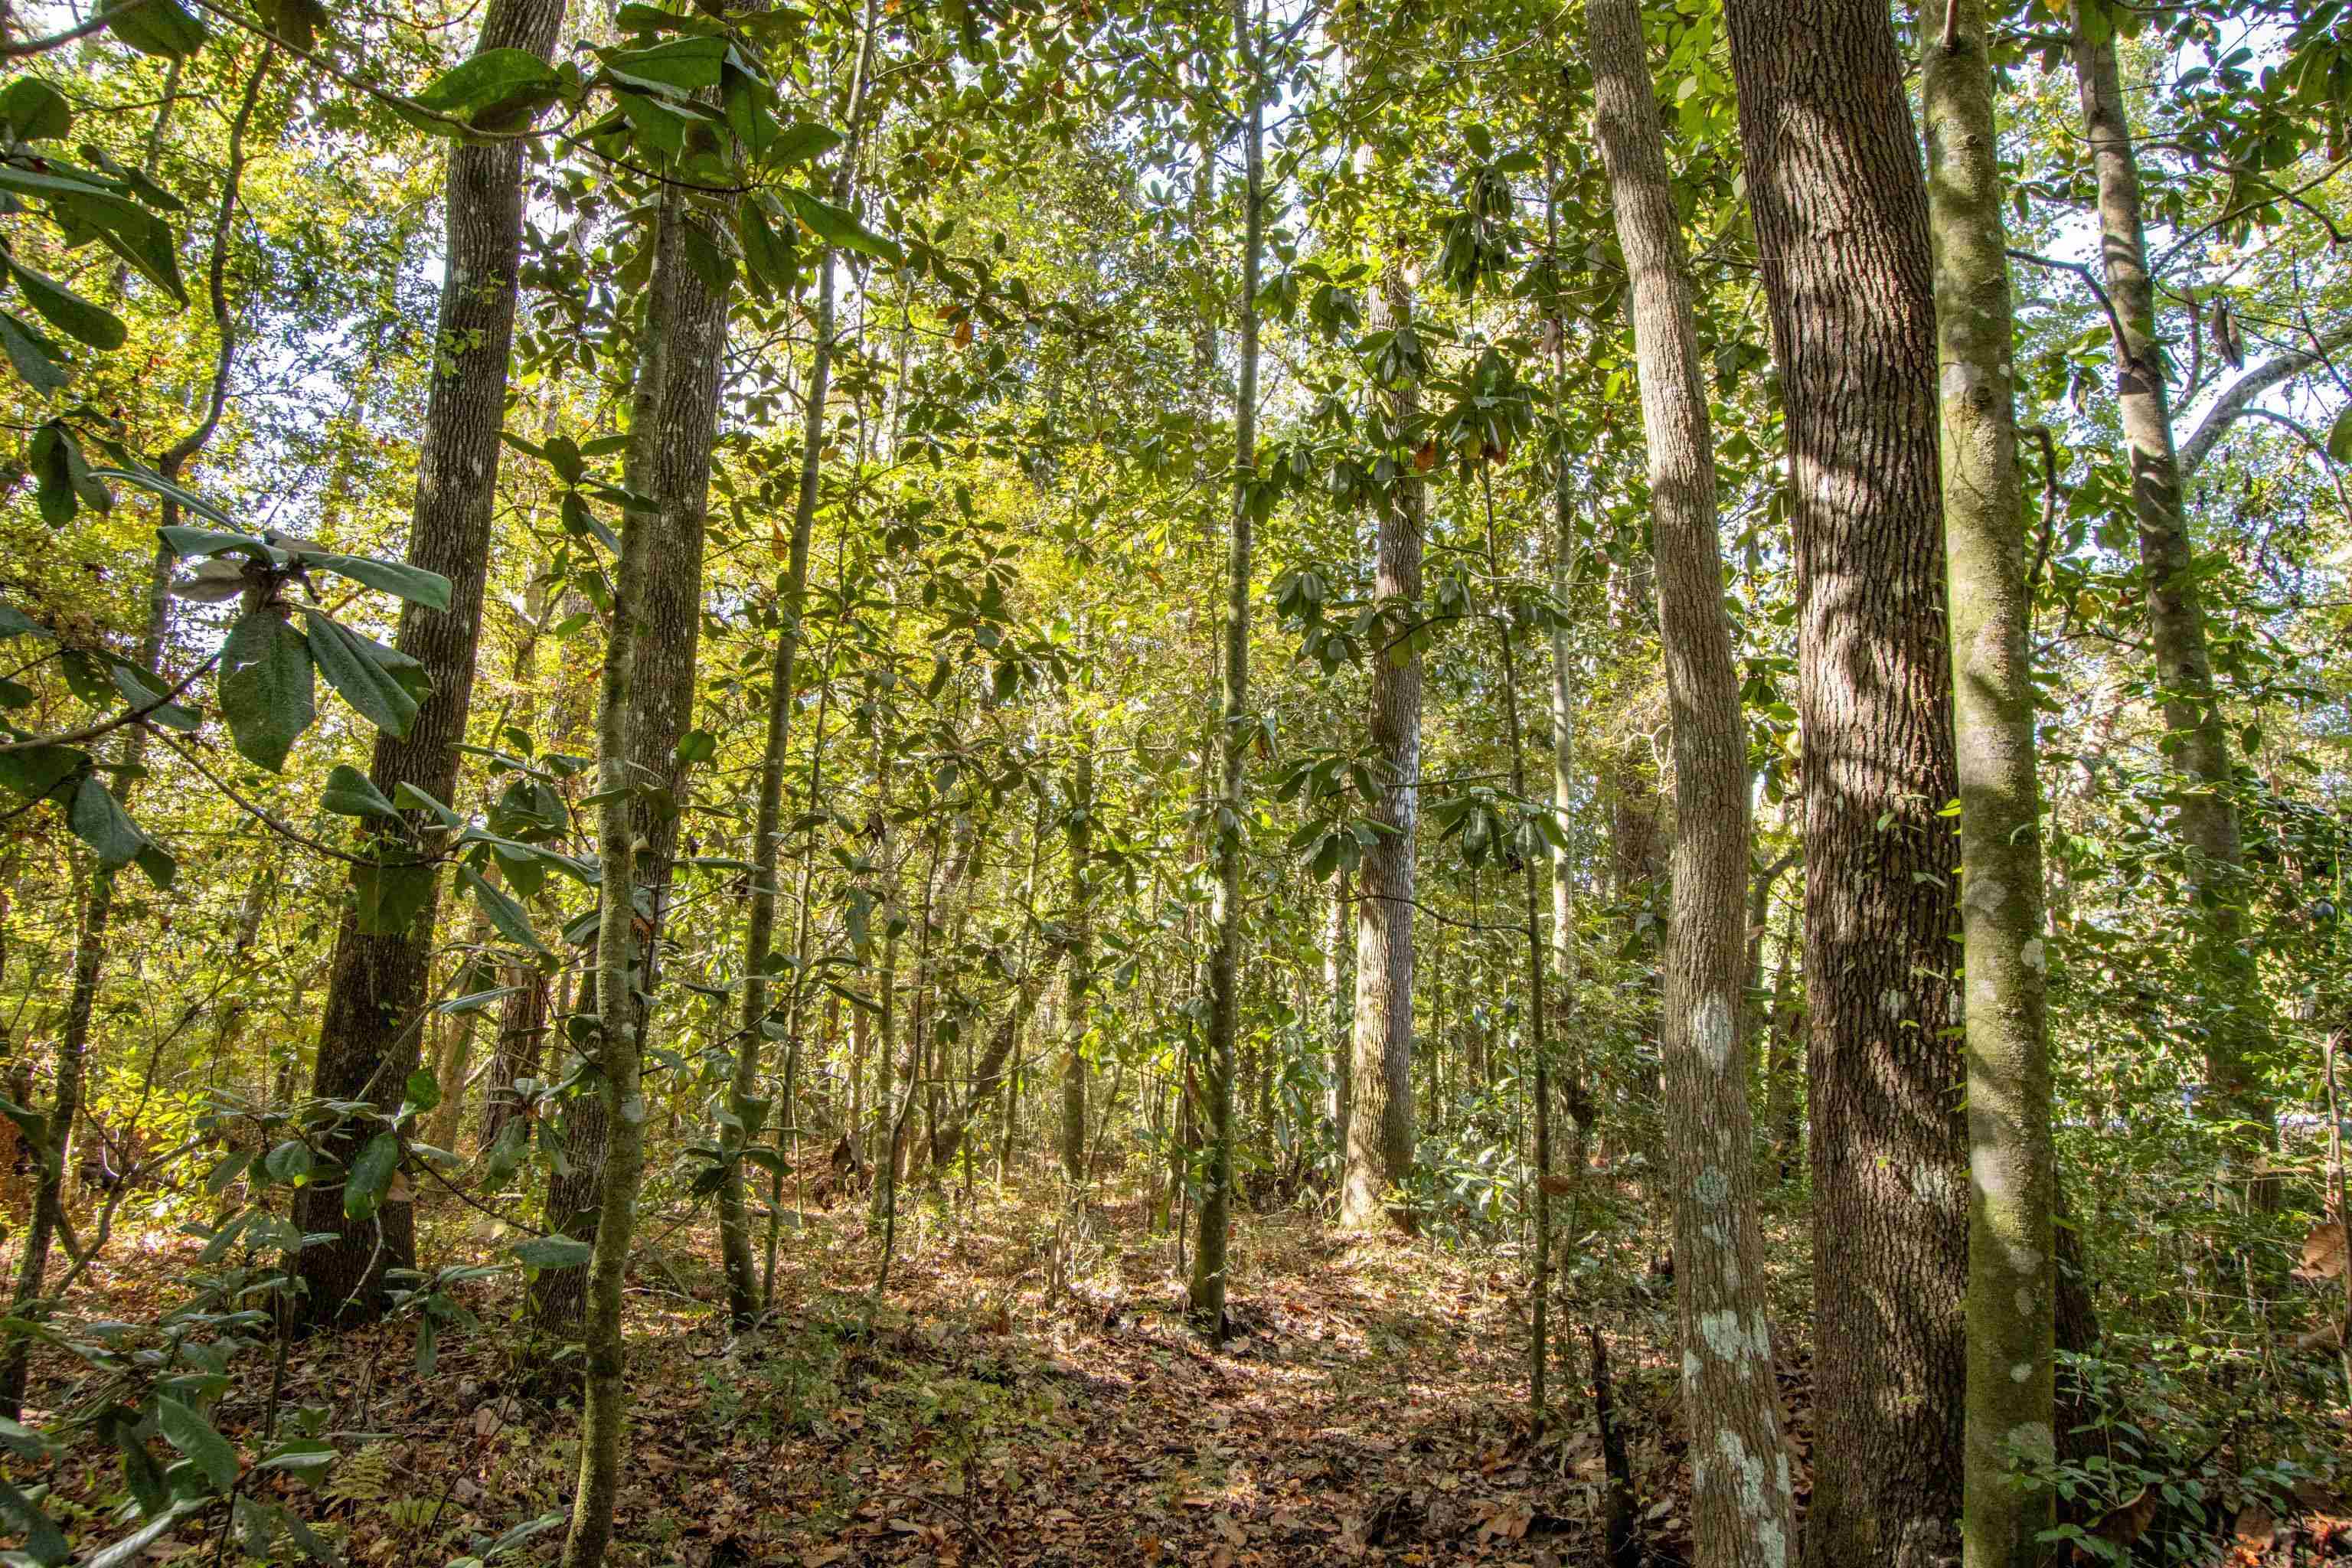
1744, 1507
734, 1220
1339, 990
1074, 1061
1206, 1300
2236, 1012
367, 1038
2012, 1269
1842, 225
522, 1029
1380, 1119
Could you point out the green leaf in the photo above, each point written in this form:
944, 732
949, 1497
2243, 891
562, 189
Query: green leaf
35, 111
413, 583
2339, 438
685, 65
551, 1252
32, 355
45, 1543
423, 1090
154, 27
194, 1436
351, 793
298, 22
143, 690
494, 90
371, 1177
372, 677
408, 798
289, 1162
506, 914
390, 897
157, 864
36, 770
148, 245
767, 256
68, 312
266, 689
838, 227
15, 622
801, 142
99, 820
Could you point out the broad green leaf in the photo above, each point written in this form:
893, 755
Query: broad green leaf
15, 622
371, 1177
495, 89
68, 312
35, 111
413, 583
801, 142
143, 689
99, 820
266, 689
154, 27
684, 65
298, 22
2339, 438
506, 914
551, 1252
390, 897
838, 227
36, 770
408, 798
423, 1090
194, 1436
32, 356
45, 1543
351, 793
368, 674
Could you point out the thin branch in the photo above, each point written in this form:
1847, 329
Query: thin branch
31, 47
116, 721
279, 824
2090, 279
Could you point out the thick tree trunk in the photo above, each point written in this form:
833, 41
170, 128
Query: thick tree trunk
1744, 1507
1206, 1297
1842, 227
1380, 1119
367, 1034
2012, 1271
2236, 1013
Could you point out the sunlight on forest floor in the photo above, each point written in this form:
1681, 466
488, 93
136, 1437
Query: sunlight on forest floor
1020, 1399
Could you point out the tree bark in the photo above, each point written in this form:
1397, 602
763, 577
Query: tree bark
1380, 1119
734, 1220
1206, 1297
2013, 1271
1339, 993
1842, 227
1074, 1061
367, 1038
2236, 1012
1744, 1504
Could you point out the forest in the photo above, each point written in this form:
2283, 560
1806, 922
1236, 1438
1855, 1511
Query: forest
1080, 782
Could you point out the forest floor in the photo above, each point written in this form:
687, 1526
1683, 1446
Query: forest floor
1027, 1393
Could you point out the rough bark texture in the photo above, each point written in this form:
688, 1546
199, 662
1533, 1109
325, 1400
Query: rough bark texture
1842, 228
1379, 1117
2197, 739
2012, 1271
673, 420
1744, 1503
367, 1034
1205, 1301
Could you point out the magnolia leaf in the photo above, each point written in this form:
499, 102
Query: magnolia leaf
266, 689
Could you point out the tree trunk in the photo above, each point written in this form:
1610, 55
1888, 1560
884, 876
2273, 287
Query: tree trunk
1842, 227
1380, 1119
1206, 1297
522, 1028
367, 1033
2013, 1271
1338, 989
734, 1220
1074, 1061
1744, 1504
2236, 1012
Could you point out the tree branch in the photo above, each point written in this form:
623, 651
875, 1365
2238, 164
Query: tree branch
2236, 403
